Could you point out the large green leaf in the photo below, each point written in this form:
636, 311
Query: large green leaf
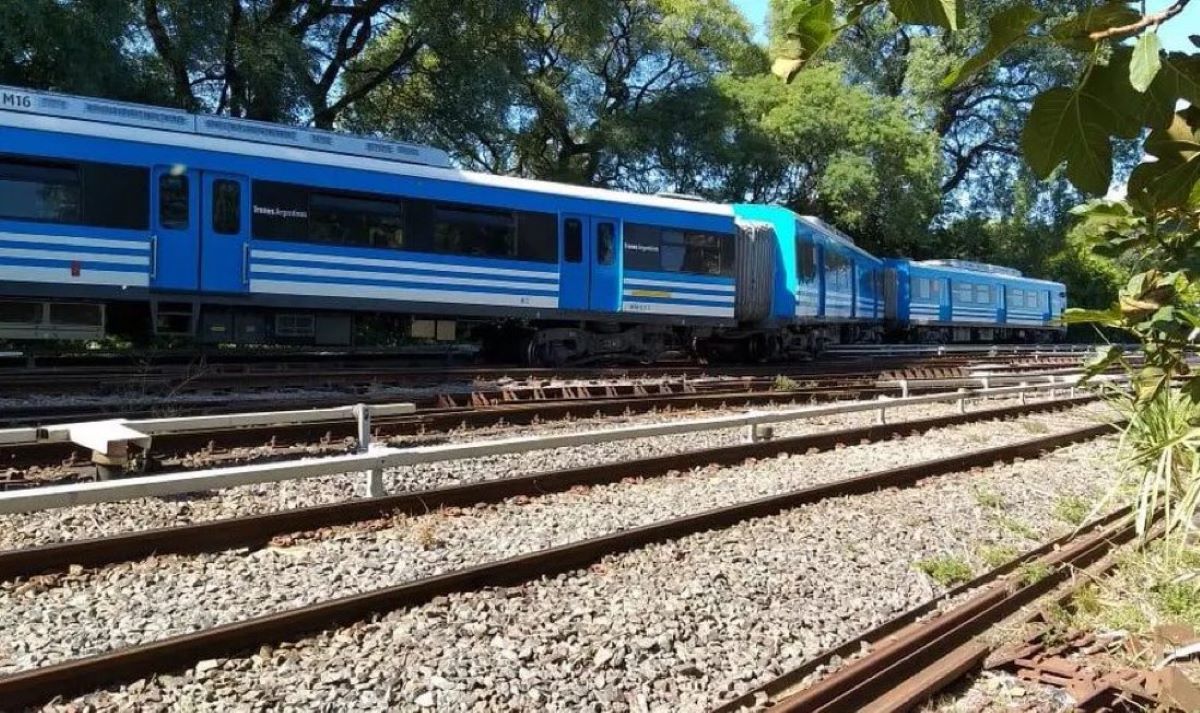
1007, 28
1173, 179
1074, 32
1145, 62
809, 30
1183, 73
939, 13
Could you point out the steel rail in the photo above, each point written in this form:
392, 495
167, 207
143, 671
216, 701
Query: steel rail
758, 424
908, 666
254, 530
790, 682
139, 661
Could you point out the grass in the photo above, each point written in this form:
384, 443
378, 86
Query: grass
1033, 572
1155, 585
995, 555
1016, 527
784, 383
988, 499
1071, 509
946, 570
1035, 427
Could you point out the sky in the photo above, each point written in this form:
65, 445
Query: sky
1174, 34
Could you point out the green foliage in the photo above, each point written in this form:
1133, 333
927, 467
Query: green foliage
1120, 92
784, 383
1149, 588
1031, 573
1007, 28
996, 555
988, 498
1072, 509
946, 570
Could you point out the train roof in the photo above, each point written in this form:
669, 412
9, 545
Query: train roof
46, 111
997, 272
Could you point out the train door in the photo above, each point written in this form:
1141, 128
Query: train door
225, 233
605, 283
945, 299
590, 270
574, 273
175, 229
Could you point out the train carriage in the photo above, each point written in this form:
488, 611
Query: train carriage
962, 301
242, 232
149, 221
826, 289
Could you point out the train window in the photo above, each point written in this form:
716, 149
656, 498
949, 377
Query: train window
837, 272
173, 202
963, 293
227, 207
983, 294
806, 258
537, 237
642, 247
673, 250
279, 211
702, 253
360, 222
919, 286
606, 243
116, 196
39, 191
475, 232
573, 240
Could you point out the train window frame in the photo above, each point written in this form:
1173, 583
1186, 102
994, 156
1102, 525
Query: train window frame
806, 258
45, 173
164, 208
573, 240
226, 222
468, 222
840, 268
606, 243
352, 215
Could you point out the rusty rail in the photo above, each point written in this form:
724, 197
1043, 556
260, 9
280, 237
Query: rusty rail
913, 657
256, 529
89, 673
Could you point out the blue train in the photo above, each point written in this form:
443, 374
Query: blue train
141, 219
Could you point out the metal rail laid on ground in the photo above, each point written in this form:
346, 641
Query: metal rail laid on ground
253, 530
374, 460
921, 651
176, 652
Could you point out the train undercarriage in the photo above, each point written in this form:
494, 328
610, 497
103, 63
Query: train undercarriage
508, 341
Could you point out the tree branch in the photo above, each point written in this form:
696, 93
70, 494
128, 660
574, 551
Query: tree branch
1135, 28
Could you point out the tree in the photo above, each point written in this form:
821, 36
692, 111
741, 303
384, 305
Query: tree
293, 60
575, 91
75, 46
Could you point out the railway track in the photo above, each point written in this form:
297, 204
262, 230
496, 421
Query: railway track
914, 656
224, 377
32, 464
177, 652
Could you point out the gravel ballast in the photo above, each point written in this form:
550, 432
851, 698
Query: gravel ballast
93, 611
672, 627
25, 530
